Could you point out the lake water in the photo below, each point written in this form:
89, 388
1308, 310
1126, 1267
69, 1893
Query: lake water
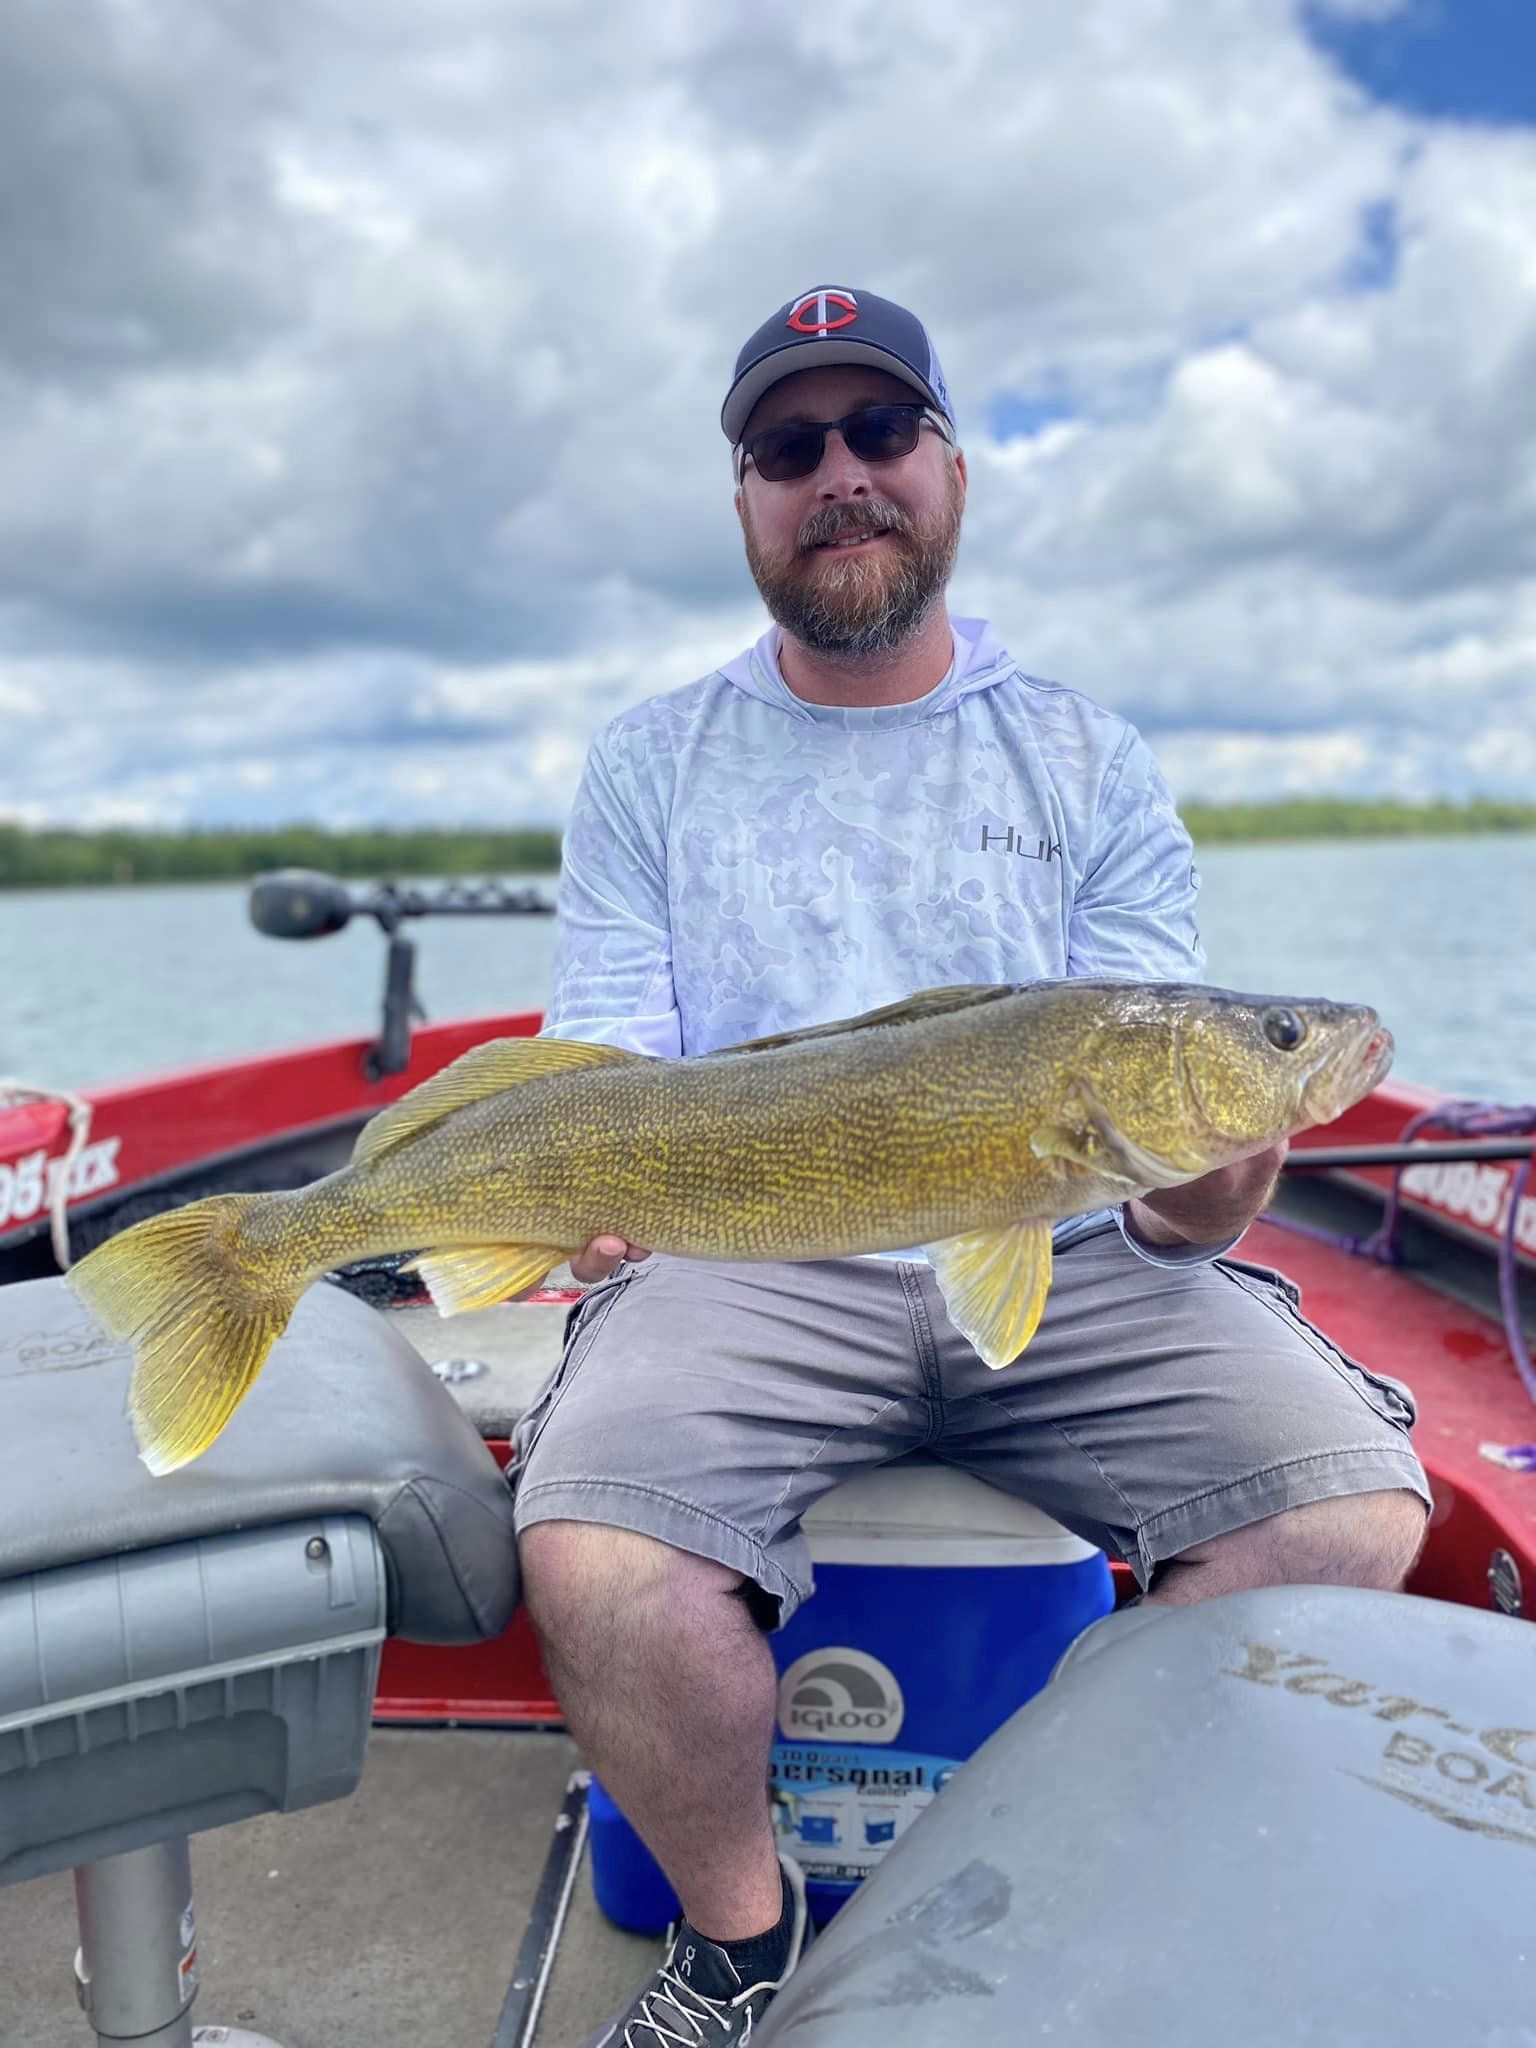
1439, 934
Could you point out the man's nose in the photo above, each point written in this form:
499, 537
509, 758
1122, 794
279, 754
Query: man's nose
841, 474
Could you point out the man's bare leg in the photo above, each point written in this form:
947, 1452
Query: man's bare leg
669, 1688
1359, 1539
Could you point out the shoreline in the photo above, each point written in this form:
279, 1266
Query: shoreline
62, 859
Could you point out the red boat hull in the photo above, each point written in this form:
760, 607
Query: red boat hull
146, 1132
147, 1135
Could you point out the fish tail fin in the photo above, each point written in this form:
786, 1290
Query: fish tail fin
201, 1308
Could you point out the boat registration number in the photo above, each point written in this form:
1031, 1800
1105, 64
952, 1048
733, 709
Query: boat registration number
29, 1184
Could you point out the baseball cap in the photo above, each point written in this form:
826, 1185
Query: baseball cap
830, 325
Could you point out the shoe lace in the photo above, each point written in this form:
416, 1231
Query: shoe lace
664, 2005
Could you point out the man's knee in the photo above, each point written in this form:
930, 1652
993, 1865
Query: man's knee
1358, 1539
594, 1573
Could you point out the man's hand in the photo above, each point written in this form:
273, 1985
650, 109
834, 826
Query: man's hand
600, 1257
1212, 1209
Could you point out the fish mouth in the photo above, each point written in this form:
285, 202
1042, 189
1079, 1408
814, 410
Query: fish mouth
1348, 1072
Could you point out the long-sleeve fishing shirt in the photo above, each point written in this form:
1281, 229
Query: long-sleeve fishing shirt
740, 862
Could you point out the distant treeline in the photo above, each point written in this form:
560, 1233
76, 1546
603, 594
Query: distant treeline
48, 859
1346, 817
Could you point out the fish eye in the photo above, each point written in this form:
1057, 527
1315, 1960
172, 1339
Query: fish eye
1283, 1028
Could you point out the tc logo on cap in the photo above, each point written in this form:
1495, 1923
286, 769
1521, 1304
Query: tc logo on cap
814, 313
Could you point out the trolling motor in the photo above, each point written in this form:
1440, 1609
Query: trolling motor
297, 903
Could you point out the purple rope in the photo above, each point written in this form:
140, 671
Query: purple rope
1509, 1284
1463, 1120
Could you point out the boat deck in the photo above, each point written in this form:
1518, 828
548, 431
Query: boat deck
1446, 1341
391, 1919
394, 1918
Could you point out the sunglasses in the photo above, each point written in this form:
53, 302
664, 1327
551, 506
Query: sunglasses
875, 433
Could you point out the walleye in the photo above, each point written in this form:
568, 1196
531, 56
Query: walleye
967, 1120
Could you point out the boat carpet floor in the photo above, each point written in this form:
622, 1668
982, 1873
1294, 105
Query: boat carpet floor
1454, 1356
388, 1920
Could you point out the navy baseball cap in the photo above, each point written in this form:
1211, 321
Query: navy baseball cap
834, 324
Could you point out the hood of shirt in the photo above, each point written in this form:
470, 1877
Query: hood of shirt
980, 661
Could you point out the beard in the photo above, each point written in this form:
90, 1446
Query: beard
861, 603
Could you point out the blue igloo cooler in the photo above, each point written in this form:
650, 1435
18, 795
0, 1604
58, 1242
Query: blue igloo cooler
941, 1606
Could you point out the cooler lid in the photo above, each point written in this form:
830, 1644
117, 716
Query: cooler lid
920, 1511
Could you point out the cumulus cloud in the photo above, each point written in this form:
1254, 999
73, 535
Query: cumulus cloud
360, 368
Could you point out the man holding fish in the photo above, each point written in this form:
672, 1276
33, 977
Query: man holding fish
879, 1015
873, 800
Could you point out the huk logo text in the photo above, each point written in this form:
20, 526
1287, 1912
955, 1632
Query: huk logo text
1009, 841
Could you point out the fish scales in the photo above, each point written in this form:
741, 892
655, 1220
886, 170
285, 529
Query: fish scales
965, 1120
847, 1145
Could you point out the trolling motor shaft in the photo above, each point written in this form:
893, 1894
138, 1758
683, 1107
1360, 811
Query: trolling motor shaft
300, 903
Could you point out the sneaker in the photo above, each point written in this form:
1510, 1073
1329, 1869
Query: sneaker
696, 1997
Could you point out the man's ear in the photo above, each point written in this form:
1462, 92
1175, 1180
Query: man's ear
961, 469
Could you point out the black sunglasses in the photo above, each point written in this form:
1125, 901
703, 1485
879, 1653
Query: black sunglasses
875, 433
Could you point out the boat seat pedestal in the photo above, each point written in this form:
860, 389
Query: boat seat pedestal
182, 1652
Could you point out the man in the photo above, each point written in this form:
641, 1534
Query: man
873, 800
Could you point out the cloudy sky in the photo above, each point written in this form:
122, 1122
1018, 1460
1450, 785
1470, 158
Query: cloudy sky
360, 366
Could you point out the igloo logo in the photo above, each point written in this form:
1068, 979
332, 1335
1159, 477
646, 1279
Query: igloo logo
840, 1695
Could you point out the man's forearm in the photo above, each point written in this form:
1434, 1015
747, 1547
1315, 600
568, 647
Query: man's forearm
1217, 1207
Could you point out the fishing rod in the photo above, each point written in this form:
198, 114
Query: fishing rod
1434, 1152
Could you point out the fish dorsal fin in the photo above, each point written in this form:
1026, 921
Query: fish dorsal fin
928, 1002
483, 1071
994, 1284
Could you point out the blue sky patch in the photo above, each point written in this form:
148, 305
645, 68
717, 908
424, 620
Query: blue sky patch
1373, 266
1460, 60
1017, 415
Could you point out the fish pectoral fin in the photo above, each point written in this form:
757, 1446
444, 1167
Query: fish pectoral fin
994, 1284
1093, 1140
483, 1071
1134, 1163
1078, 1147
928, 1002
1085, 1149
479, 1276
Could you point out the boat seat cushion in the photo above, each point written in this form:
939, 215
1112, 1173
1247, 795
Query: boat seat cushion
344, 1418
1296, 1815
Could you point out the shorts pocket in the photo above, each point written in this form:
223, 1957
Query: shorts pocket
582, 1324
1391, 1399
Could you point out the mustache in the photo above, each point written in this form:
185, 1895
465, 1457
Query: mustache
864, 515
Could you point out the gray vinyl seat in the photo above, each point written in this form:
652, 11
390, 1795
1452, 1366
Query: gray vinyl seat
1298, 1815
182, 1652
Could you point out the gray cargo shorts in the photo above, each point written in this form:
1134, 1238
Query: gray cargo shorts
710, 1405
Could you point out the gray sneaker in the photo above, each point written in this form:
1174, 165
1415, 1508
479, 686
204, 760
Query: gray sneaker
696, 1999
